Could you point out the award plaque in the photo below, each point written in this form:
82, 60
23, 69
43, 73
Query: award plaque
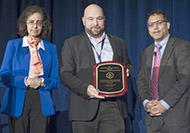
110, 78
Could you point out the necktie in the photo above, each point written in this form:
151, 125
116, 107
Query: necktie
36, 67
155, 73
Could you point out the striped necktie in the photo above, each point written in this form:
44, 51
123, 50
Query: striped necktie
155, 73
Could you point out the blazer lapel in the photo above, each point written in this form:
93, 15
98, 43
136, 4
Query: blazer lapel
26, 57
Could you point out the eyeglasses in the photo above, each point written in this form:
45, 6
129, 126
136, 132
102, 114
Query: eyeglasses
32, 22
159, 22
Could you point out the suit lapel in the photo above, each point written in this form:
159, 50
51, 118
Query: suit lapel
149, 62
167, 52
114, 47
89, 49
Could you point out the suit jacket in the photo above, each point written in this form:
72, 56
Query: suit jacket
173, 82
76, 72
14, 69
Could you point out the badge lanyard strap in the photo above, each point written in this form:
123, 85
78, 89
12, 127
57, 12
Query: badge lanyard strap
99, 55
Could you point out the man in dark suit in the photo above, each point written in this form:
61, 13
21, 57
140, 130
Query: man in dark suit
164, 78
89, 111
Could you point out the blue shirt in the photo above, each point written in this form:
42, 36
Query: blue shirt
163, 44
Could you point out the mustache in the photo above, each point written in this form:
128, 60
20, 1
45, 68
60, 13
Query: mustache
96, 27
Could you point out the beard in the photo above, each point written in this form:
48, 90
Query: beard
95, 33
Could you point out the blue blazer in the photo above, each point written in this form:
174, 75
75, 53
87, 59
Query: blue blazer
14, 69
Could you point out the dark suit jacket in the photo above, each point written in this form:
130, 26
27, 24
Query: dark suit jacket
76, 72
174, 80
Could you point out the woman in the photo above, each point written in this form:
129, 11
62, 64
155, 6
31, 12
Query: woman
29, 72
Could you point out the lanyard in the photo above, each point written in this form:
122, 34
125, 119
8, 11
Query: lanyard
99, 55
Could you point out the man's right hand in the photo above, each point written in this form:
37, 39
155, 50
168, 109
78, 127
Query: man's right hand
93, 93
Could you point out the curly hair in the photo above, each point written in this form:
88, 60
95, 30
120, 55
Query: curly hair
21, 22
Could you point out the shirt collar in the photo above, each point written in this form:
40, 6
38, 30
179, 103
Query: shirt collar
92, 39
26, 44
163, 42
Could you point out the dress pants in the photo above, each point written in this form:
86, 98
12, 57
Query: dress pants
107, 120
159, 126
32, 119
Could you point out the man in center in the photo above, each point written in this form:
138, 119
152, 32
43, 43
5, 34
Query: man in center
89, 111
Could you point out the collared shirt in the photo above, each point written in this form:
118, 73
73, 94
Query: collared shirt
163, 44
106, 51
26, 44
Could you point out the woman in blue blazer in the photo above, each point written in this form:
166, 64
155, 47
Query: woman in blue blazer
27, 99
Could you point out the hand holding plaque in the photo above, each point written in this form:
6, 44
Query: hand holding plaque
110, 78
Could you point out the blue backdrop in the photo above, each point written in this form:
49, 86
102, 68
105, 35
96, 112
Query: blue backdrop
124, 18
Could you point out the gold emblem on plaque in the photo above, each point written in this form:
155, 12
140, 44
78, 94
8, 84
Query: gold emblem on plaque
109, 75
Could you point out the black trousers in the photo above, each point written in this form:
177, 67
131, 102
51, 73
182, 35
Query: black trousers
32, 119
107, 120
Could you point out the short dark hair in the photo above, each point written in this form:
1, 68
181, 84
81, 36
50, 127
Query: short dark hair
21, 22
157, 12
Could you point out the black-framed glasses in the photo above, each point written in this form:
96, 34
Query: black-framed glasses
159, 22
